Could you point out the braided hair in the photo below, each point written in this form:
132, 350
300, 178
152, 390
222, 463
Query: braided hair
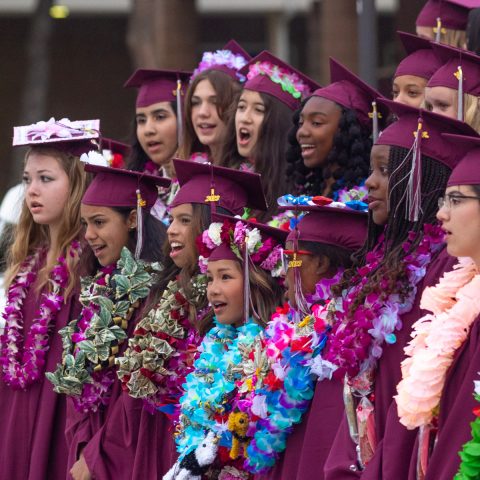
350, 154
434, 180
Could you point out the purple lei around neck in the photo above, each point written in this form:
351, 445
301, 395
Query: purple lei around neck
355, 343
22, 367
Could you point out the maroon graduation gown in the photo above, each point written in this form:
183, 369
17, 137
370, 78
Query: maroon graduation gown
32, 432
123, 440
310, 441
342, 458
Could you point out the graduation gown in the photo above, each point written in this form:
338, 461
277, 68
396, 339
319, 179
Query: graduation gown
341, 460
32, 436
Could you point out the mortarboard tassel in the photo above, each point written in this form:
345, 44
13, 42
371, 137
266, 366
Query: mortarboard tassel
179, 112
438, 30
414, 192
375, 117
140, 204
247, 301
459, 75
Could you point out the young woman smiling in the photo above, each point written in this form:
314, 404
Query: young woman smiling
161, 352
241, 261
330, 152
125, 239
42, 281
214, 87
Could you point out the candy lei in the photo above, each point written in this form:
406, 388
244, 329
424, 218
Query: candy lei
24, 366
470, 454
278, 402
455, 304
207, 403
161, 352
356, 344
91, 342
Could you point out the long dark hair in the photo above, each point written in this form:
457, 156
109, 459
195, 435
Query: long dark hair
137, 158
154, 236
227, 91
434, 180
473, 31
350, 153
270, 151
201, 221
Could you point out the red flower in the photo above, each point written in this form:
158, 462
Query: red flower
272, 381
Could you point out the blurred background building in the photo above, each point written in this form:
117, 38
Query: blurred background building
71, 60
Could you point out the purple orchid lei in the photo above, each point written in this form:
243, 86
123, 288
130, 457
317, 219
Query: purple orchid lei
355, 344
22, 367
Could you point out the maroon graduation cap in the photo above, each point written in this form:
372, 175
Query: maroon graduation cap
266, 73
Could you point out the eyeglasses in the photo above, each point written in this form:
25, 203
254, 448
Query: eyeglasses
451, 200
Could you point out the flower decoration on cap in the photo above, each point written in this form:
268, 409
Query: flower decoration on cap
226, 58
264, 252
289, 81
94, 158
353, 199
55, 131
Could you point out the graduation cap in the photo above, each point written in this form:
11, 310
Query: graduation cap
266, 73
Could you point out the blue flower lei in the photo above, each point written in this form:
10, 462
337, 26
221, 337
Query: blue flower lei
285, 394
209, 387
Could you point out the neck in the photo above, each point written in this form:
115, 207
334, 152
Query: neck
330, 180
168, 169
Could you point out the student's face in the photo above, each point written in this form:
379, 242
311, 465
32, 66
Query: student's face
157, 131
106, 231
209, 127
225, 291
377, 183
441, 100
460, 219
409, 90
318, 124
308, 270
181, 236
46, 188
248, 121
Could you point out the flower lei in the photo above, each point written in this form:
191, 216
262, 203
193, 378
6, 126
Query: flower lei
265, 253
289, 81
356, 344
224, 58
469, 468
281, 400
91, 342
455, 304
22, 368
224, 364
161, 352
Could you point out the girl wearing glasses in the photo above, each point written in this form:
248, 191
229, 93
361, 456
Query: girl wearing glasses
443, 356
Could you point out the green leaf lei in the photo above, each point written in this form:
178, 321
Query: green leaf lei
470, 454
91, 342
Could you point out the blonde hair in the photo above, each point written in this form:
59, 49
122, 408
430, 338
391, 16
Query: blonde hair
471, 113
454, 38
29, 236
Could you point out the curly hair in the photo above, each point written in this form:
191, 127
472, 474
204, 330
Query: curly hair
434, 180
350, 152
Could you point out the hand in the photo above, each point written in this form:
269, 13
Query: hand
80, 470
